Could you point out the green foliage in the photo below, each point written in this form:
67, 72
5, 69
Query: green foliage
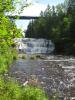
38, 56
11, 90
6, 58
6, 5
23, 57
32, 57
8, 31
30, 93
58, 24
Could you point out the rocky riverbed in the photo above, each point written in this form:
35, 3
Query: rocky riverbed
54, 74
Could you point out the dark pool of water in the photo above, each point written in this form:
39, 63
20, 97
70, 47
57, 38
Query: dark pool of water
54, 75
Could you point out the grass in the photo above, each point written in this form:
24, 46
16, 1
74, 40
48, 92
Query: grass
6, 58
38, 56
11, 90
32, 57
23, 57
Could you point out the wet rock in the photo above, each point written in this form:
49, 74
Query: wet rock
57, 75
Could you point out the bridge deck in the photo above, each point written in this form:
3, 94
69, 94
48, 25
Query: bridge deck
24, 17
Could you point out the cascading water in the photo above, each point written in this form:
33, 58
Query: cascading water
35, 46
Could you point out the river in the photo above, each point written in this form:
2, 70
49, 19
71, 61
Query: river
54, 74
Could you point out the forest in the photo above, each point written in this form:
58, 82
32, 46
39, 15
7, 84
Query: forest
56, 23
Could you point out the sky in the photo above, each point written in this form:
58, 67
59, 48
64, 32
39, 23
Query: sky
34, 10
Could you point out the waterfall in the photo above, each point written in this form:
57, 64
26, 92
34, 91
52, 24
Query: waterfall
34, 46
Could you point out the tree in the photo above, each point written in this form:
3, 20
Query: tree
8, 29
57, 24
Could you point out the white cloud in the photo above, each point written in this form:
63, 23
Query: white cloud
33, 10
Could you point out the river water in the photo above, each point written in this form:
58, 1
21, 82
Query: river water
34, 46
54, 74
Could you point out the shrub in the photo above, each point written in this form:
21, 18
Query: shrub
23, 57
6, 58
30, 93
32, 57
3, 65
11, 90
38, 56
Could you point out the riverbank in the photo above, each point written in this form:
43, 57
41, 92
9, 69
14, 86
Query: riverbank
54, 74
